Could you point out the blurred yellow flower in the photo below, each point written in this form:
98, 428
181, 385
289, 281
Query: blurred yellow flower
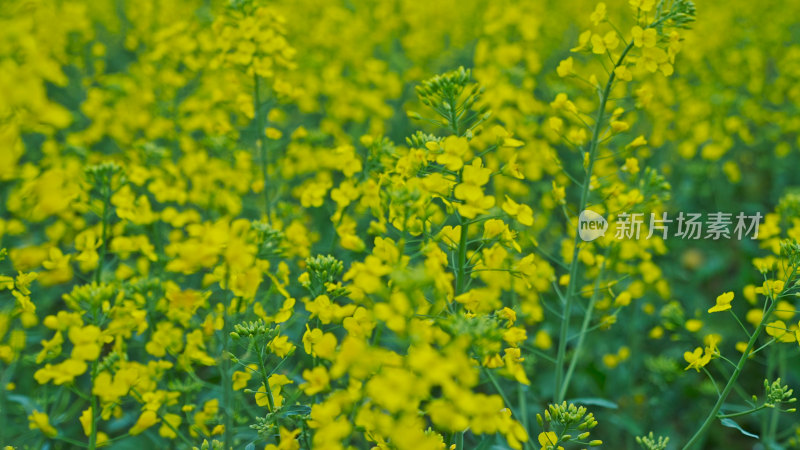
723, 302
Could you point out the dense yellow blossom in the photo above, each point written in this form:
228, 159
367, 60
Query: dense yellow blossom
327, 224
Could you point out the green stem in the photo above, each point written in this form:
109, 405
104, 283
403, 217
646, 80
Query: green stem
263, 367
305, 434
70, 441
98, 276
507, 402
226, 389
262, 149
225, 381
138, 397
461, 258
741, 413
376, 338
176, 431
498, 388
460, 440
712, 416
93, 427
98, 273
523, 407
770, 357
773, 417
739, 322
461, 261
5, 378
587, 318
453, 118
728, 387
561, 387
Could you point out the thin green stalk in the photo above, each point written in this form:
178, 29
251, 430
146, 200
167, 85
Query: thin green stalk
70, 441
263, 367
305, 433
98, 273
523, 407
177, 432
772, 430
4, 380
507, 402
126, 435
174, 429
461, 257
739, 322
522, 389
741, 413
453, 118
770, 357
93, 428
262, 149
225, 376
561, 387
497, 387
711, 379
712, 416
98, 276
227, 394
461, 261
587, 318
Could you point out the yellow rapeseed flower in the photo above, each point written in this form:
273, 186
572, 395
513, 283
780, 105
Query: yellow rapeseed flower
723, 302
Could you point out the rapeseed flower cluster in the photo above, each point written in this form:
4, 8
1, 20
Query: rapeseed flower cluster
335, 225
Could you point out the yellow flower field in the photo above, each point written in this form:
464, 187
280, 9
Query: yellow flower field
395, 224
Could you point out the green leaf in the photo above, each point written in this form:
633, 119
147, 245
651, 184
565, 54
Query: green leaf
731, 424
23, 400
294, 410
594, 401
486, 443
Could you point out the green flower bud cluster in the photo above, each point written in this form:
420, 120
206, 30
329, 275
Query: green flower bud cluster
777, 394
649, 442
565, 418
269, 239
791, 251
254, 329
678, 13
90, 295
213, 445
419, 139
101, 176
323, 276
452, 97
